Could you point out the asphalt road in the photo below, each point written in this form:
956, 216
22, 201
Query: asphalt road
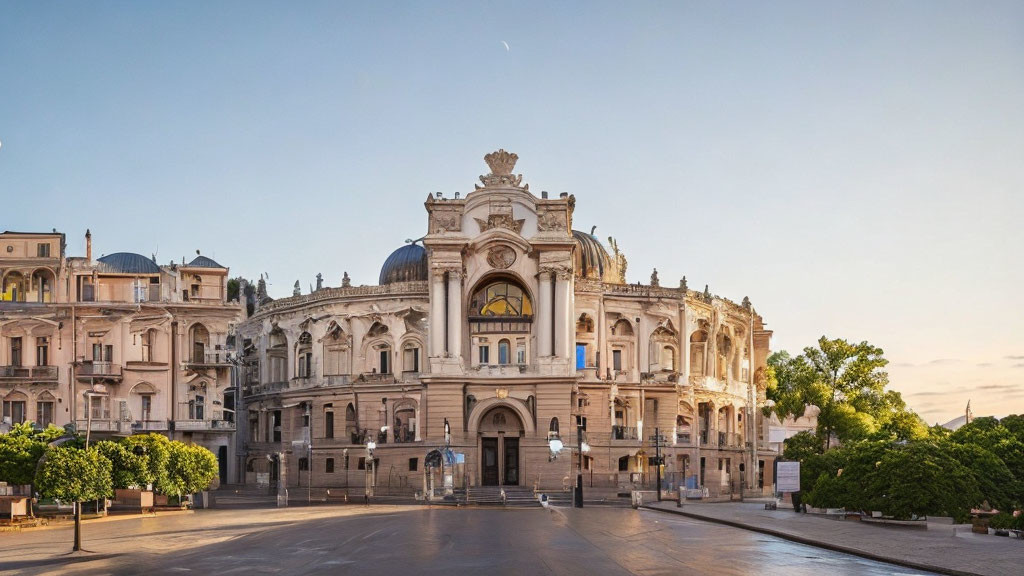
414, 540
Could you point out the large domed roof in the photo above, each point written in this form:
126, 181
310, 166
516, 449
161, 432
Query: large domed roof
591, 259
127, 263
407, 264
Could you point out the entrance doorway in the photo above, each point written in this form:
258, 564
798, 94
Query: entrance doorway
500, 430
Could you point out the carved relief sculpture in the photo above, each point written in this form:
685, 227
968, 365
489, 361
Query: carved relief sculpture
501, 257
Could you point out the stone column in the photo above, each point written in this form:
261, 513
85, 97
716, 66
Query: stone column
563, 346
419, 424
455, 313
544, 314
437, 316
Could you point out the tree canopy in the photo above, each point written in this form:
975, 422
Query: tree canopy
847, 382
21, 449
71, 474
190, 468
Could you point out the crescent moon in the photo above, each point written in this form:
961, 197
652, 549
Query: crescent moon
506, 45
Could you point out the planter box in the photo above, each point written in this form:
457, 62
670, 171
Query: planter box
134, 499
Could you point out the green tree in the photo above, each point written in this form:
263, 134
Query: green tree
157, 448
846, 381
190, 468
21, 449
130, 469
923, 478
71, 474
996, 483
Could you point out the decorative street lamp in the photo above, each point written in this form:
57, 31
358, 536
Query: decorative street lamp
368, 488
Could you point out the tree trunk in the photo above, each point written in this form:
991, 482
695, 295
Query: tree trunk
78, 527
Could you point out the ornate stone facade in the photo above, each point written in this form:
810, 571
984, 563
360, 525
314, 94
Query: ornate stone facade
508, 340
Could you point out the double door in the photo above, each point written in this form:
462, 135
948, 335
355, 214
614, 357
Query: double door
499, 461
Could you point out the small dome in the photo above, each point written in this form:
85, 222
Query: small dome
203, 262
591, 258
407, 264
127, 263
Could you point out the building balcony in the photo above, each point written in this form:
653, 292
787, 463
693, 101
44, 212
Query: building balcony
203, 425
266, 388
136, 366
375, 378
338, 379
98, 371
211, 359
501, 369
683, 438
624, 433
730, 440
150, 426
103, 425
28, 372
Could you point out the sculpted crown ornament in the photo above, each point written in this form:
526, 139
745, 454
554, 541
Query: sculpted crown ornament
501, 164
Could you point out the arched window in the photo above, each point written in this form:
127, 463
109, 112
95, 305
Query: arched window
501, 298
585, 324
698, 347
200, 337
503, 351
304, 355
668, 358
411, 357
553, 428
622, 328
351, 427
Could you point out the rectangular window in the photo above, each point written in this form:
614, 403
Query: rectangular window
43, 351
329, 424
362, 463
147, 346
520, 353
329, 466
617, 360
108, 353
303, 464
147, 407
581, 356
43, 250
413, 464
44, 414
16, 351
385, 365
15, 410
485, 354
277, 426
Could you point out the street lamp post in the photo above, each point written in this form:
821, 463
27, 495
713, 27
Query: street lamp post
368, 488
580, 444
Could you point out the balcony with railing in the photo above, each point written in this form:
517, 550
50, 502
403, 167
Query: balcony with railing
209, 359
150, 426
28, 372
624, 433
730, 440
683, 437
203, 425
501, 369
93, 370
103, 425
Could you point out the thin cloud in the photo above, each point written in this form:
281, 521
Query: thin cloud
997, 387
1015, 357
940, 361
983, 364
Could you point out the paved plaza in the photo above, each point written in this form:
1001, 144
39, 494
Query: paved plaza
404, 540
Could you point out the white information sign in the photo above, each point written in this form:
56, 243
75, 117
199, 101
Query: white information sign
787, 477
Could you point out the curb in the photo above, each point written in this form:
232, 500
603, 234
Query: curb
53, 524
818, 543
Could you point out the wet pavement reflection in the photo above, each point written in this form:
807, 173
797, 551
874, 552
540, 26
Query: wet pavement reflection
416, 540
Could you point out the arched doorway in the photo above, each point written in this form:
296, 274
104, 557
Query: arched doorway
499, 432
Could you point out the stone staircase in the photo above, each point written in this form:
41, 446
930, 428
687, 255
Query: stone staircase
515, 496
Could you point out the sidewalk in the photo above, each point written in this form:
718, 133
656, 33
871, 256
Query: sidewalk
941, 548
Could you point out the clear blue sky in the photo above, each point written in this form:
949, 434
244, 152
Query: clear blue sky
855, 168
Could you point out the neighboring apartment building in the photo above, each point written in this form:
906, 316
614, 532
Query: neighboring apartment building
116, 345
493, 338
